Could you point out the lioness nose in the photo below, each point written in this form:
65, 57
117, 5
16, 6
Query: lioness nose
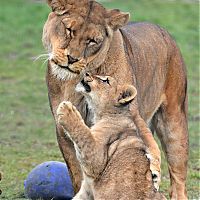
71, 60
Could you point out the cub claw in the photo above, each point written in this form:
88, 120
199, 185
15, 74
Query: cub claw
156, 179
155, 171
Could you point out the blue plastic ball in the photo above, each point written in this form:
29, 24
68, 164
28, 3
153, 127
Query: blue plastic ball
49, 180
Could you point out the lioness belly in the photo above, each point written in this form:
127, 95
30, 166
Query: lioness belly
149, 50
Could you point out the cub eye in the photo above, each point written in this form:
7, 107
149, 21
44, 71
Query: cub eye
68, 31
105, 81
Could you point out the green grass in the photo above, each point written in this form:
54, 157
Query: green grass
27, 133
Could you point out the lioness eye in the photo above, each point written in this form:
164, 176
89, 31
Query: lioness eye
91, 42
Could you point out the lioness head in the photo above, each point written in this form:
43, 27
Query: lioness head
77, 35
104, 94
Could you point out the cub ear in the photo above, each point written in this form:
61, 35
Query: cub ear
116, 19
127, 95
58, 6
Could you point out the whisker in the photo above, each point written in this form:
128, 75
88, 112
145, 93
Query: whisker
42, 56
44, 62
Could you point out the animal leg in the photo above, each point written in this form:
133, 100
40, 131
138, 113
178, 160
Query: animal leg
69, 154
85, 192
171, 128
154, 152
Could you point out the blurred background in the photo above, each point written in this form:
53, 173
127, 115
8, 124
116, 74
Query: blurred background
27, 133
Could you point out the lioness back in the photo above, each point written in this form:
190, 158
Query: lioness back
150, 49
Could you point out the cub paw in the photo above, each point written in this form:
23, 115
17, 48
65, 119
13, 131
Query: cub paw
155, 170
68, 115
156, 179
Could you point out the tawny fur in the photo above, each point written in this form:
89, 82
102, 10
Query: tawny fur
141, 54
112, 156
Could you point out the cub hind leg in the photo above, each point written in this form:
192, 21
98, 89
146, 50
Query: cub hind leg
85, 193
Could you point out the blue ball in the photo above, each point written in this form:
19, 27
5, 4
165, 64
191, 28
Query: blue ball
49, 180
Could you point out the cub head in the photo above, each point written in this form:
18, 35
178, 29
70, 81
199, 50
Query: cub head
77, 35
105, 95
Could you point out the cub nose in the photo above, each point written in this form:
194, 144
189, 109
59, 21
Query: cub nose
87, 74
71, 60
88, 77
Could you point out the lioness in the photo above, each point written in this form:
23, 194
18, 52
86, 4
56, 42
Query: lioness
83, 36
111, 155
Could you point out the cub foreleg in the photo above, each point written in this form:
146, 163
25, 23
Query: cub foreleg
154, 151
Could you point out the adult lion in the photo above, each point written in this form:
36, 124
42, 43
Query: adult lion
84, 36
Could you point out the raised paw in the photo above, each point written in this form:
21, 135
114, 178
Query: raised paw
68, 116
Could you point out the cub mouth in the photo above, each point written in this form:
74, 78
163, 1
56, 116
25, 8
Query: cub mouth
86, 86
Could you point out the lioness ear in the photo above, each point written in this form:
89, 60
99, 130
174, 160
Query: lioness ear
117, 19
58, 6
127, 95
61, 7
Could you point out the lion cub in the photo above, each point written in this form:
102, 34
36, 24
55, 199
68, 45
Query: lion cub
112, 157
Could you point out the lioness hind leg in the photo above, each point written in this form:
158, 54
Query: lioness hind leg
171, 128
171, 124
